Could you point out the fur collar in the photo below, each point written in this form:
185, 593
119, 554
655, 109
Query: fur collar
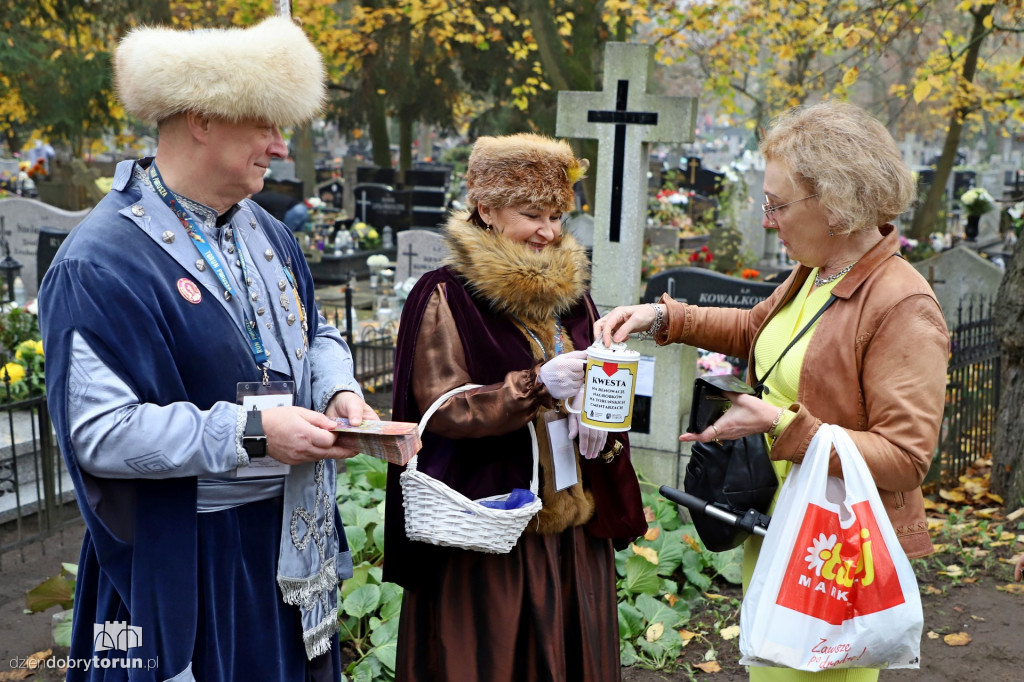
515, 279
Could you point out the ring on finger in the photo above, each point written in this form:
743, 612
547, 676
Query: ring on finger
717, 439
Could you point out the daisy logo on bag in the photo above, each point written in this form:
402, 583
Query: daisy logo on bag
835, 573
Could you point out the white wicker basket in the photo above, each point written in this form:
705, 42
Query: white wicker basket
436, 514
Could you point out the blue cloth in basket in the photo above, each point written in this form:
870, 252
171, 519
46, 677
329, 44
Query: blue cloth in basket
519, 497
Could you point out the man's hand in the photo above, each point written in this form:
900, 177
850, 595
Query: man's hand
296, 435
348, 405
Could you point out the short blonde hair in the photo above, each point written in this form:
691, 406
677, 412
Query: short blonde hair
847, 157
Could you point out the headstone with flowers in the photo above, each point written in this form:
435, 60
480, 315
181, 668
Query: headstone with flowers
976, 202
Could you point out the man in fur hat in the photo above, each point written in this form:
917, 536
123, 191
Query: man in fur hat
193, 382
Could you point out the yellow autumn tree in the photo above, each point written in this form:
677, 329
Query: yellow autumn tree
972, 80
755, 59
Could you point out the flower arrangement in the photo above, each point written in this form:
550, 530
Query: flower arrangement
38, 170
668, 207
1016, 215
702, 256
377, 261
23, 375
656, 259
715, 363
750, 273
366, 236
914, 250
977, 201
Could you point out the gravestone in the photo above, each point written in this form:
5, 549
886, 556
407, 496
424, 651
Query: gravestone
291, 188
419, 251
698, 286
1013, 181
331, 192
24, 220
956, 273
375, 175
379, 205
428, 191
701, 179
664, 238
581, 226
625, 120
988, 232
282, 169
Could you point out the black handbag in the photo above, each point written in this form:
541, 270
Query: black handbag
734, 475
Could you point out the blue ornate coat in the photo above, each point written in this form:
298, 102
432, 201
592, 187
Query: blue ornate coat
117, 282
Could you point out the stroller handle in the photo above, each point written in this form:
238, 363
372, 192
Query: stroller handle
752, 521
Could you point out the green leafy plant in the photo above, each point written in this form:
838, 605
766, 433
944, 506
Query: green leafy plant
17, 324
368, 617
662, 576
21, 355
56, 591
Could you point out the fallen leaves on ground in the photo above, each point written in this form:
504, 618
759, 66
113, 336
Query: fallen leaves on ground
731, 632
687, 636
1012, 588
957, 639
27, 666
709, 666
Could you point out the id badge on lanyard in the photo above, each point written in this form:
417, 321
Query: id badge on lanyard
258, 395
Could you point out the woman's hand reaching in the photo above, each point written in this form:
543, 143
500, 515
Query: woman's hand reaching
619, 323
748, 414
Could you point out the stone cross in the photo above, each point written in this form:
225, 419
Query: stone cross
624, 119
364, 205
410, 254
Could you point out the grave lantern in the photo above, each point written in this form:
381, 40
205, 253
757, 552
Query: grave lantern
10, 268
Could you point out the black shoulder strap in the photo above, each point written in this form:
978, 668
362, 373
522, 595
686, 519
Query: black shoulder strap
759, 386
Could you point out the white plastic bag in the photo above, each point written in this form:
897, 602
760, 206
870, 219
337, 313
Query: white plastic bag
832, 587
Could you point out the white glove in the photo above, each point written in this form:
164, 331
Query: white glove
563, 374
591, 440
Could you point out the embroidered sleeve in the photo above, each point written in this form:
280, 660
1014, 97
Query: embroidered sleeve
116, 436
440, 365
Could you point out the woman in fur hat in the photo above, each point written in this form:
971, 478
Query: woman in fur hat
506, 312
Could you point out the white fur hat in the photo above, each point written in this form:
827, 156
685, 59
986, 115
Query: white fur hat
270, 71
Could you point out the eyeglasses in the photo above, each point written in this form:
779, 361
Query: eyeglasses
770, 210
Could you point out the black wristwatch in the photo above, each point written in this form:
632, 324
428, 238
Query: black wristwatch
253, 439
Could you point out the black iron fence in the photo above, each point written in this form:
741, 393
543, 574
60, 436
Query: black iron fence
36, 493
972, 390
373, 360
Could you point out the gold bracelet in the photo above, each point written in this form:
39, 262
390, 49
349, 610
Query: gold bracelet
775, 422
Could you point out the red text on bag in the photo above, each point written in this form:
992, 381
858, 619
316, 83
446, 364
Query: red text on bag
835, 574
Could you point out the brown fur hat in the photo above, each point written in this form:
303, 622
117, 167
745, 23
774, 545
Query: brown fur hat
523, 169
269, 72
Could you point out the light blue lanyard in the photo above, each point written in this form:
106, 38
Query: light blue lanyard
259, 352
559, 344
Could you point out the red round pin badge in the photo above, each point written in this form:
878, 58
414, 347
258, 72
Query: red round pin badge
189, 291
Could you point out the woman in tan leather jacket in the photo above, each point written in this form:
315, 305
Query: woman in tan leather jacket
873, 363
